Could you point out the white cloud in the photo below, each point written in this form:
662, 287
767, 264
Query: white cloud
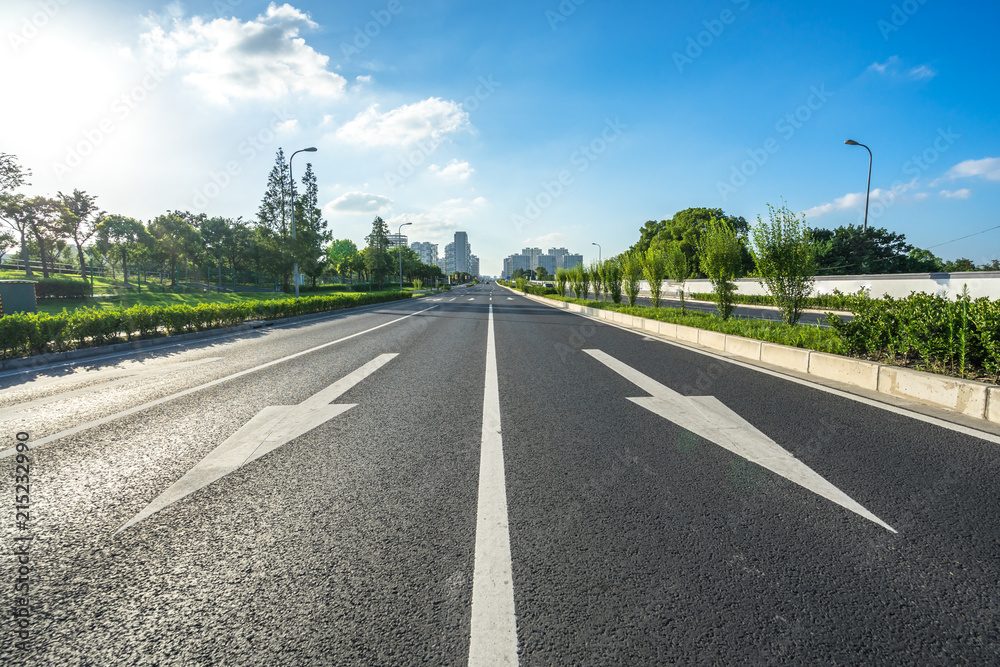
453, 171
964, 193
892, 67
364, 79
287, 126
553, 240
988, 168
359, 202
891, 64
856, 200
228, 59
428, 119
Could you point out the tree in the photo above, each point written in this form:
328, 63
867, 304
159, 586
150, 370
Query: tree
274, 219
338, 255
631, 270
124, 236
853, 250
542, 273
612, 273
678, 269
786, 260
597, 279
81, 222
47, 221
562, 277
173, 239
12, 177
721, 257
310, 228
686, 228
960, 264
654, 267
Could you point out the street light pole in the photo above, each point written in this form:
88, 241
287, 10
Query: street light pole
399, 246
598, 252
291, 180
852, 142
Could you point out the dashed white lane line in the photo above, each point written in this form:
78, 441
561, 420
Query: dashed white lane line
494, 628
145, 406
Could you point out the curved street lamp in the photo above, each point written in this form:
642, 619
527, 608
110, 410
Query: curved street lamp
852, 142
291, 181
399, 245
598, 252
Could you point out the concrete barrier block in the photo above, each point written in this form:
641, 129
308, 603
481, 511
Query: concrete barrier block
617, 317
993, 408
844, 369
743, 347
963, 396
666, 329
689, 334
713, 339
793, 358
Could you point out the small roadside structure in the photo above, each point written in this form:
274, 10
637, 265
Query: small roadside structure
17, 296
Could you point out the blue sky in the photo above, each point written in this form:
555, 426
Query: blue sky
522, 123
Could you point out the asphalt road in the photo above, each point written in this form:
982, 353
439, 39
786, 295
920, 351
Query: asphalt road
599, 505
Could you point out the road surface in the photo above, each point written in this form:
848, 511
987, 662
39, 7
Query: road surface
474, 478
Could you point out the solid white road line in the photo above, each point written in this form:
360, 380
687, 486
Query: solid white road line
271, 428
121, 376
494, 628
166, 399
708, 417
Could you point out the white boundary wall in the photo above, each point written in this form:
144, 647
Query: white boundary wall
980, 283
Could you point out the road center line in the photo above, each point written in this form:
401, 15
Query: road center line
494, 628
166, 399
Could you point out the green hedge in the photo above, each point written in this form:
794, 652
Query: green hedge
958, 335
61, 289
37, 333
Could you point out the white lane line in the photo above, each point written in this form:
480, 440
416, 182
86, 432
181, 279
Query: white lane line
271, 428
708, 417
166, 399
494, 628
131, 375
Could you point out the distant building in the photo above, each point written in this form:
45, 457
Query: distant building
474, 266
427, 252
570, 261
396, 239
532, 258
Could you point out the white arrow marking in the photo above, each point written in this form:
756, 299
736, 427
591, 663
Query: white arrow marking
510, 298
271, 428
708, 417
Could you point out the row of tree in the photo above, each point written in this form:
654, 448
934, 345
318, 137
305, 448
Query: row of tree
846, 250
72, 227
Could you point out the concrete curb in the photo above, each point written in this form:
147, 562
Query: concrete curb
973, 399
136, 345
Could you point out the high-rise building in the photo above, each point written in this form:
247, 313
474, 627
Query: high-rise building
474, 266
462, 252
428, 252
449, 259
570, 261
396, 239
530, 259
